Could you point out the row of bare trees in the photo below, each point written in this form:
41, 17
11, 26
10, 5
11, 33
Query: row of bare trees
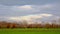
4, 24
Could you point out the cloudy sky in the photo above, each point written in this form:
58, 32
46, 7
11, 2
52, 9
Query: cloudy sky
29, 9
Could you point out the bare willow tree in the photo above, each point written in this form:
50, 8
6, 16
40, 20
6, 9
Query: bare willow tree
47, 25
8, 25
13, 25
24, 24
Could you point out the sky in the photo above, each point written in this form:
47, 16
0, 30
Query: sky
29, 9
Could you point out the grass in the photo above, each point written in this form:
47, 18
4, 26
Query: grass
30, 31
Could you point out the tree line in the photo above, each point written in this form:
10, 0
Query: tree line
5, 24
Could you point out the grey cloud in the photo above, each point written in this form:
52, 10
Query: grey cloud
25, 2
37, 9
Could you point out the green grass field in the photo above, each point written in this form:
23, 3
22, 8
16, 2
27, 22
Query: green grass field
30, 31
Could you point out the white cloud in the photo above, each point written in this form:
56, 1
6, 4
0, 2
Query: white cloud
32, 8
30, 17
25, 7
46, 15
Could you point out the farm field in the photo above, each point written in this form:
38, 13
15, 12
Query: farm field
30, 31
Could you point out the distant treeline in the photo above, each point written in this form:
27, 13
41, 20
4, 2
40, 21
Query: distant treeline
4, 24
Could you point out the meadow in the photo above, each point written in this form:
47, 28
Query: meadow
30, 31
